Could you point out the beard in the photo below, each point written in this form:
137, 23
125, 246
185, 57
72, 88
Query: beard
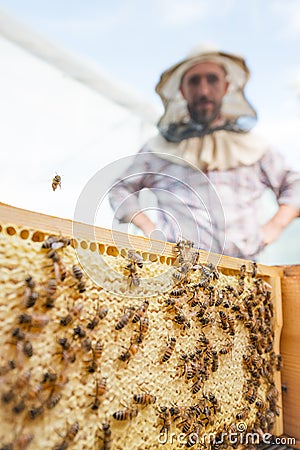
199, 113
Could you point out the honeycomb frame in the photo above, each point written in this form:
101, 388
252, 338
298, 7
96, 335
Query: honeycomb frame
78, 387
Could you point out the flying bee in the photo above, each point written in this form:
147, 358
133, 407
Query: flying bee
129, 353
106, 439
171, 343
128, 313
126, 414
144, 399
140, 312
56, 181
135, 258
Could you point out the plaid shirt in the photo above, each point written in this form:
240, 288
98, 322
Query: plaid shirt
218, 210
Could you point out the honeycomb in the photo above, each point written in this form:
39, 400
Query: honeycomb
106, 348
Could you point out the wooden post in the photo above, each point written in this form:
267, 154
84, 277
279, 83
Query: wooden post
290, 351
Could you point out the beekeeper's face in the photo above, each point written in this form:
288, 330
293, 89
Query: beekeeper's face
203, 86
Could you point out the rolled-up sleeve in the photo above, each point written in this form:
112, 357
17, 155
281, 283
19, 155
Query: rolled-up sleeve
281, 179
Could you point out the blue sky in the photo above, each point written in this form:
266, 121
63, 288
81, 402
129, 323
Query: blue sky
135, 40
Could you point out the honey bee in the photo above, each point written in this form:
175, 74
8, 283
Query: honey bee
68, 354
144, 399
226, 348
19, 407
86, 345
7, 396
100, 389
56, 181
35, 411
10, 365
178, 277
178, 292
181, 319
188, 371
214, 402
27, 349
79, 332
22, 441
106, 439
133, 277
72, 312
140, 312
243, 414
126, 414
69, 437
215, 360
243, 271
53, 399
37, 321
128, 313
30, 296
60, 270
135, 258
97, 353
171, 343
254, 270
129, 353
165, 416
144, 326
18, 334
102, 312
198, 385
78, 274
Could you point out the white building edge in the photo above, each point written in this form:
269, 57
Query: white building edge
60, 114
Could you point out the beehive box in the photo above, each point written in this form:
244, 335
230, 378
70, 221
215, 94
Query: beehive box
164, 346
